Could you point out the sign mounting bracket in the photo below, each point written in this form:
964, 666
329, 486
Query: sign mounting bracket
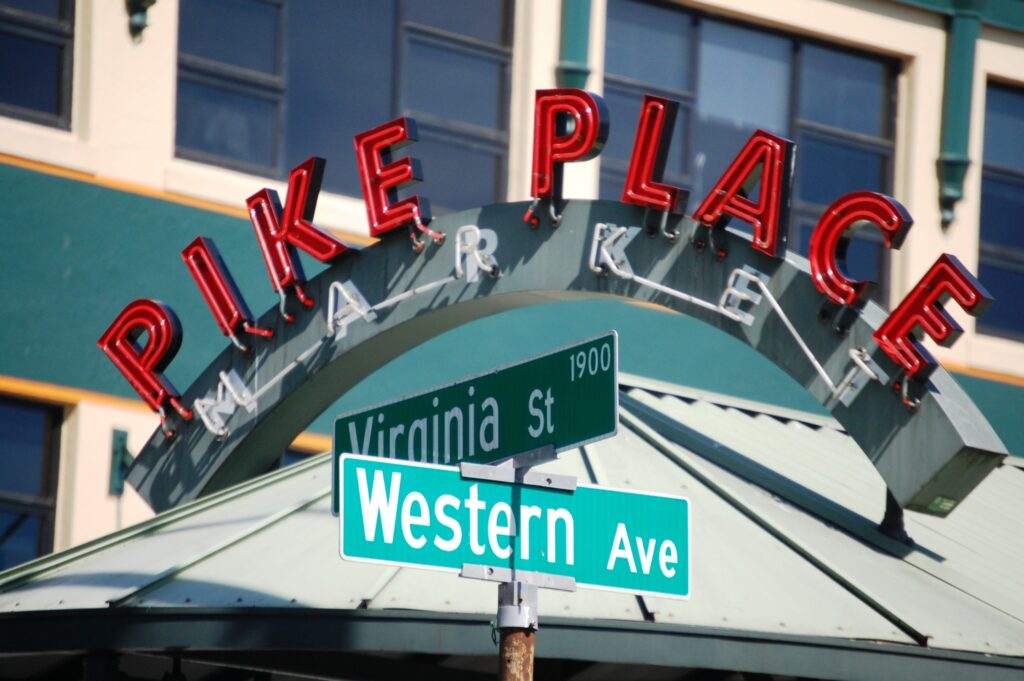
516, 469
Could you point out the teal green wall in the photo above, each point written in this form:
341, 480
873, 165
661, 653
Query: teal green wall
1003, 404
573, 52
73, 254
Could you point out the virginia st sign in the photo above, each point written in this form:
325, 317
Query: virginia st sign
564, 398
426, 515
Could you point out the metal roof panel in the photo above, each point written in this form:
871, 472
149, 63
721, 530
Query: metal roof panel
743, 576
783, 537
939, 600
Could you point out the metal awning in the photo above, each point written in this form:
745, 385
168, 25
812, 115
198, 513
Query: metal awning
791, 576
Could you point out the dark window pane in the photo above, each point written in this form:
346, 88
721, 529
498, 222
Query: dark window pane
744, 77
864, 259
1004, 127
19, 537
844, 90
453, 83
231, 125
30, 73
611, 185
1001, 266
238, 32
46, 8
481, 19
624, 112
827, 170
1002, 207
803, 240
23, 433
324, 114
1005, 285
454, 176
623, 107
743, 85
648, 43
291, 456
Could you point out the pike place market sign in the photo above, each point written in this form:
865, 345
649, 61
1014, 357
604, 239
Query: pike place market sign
867, 366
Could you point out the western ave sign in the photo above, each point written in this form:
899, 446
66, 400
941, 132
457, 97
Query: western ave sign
426, 515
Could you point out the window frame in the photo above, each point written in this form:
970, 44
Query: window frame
449, 131
800, 210
42, 505
998, 255
60, 32
244, 81
435, 128
886, 147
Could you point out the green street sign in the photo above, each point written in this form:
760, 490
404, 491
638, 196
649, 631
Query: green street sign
426, 515
563, 398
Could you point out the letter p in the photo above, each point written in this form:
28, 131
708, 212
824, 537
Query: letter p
568, 125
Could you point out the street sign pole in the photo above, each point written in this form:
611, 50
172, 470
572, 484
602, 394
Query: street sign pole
506, 422
516, 652
518, 602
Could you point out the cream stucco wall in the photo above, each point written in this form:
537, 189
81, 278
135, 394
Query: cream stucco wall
86, 509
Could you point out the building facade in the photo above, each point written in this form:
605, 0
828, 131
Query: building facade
123, 133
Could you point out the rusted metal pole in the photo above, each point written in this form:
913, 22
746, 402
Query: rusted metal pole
516, 661
517, 624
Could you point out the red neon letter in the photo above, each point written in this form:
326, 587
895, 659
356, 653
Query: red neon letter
650, 151
381, 177
827, 252
219, 290
921, 313
765, 157
141, 366
554, 145
280, 231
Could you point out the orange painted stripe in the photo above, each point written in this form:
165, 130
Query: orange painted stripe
47, 168
143, 190
997, 376
63, 395
313, 443
121, 185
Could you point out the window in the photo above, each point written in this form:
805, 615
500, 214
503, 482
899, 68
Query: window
264, 84
29, 454
730, 79
1001, 249
288, 458
36, 40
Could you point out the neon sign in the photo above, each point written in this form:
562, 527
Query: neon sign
571, 125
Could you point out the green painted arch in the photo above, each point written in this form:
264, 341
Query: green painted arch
942, 450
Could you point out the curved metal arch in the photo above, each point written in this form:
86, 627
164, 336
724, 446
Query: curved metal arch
257, 402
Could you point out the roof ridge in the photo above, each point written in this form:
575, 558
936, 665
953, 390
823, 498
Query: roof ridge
666, 447
25, 572
690, 392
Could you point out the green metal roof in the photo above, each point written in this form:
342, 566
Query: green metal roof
790, 575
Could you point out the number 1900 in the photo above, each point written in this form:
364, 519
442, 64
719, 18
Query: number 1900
589, 362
